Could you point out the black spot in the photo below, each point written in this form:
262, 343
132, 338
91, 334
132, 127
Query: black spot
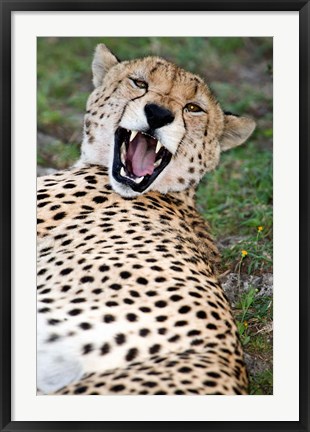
53, 321
66, 271
194, 294
131, 354
197, 342
120, 339
160, 304
201, 314
86, 279
125, 274
185, 369
156, 268
115, 286
215, 315
85, 326
180, 323
78, 300
79, 194
142, 281
144, 332
108, 318
111, 303
105, 349
97, 291
162, 318
176, 297
174, 338
87, 348
154, 349
80, 390
175, 268
69, 186
99, 199
47, 300
184, 309
99, 384
74, 312
194, 333
128, 301
44, 310
59, 215
42, 196
131, 317
214, 374
211, 326
149, 384
42, 271
209, 383
160, 279
104, 268
117, 388
145, 309
53, 337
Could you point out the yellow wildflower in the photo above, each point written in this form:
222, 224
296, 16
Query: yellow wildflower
245, 323
244, 253
260, 228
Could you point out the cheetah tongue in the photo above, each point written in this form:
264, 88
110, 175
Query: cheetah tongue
141, 155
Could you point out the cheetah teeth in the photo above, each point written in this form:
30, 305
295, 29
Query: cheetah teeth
133, 135
136, 180
157, 163
158, 147
123, 153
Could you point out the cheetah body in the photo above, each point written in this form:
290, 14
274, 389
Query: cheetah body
128, 298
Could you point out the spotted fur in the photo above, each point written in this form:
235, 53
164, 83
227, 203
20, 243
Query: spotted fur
128, 298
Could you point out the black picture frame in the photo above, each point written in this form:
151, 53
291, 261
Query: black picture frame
7, 7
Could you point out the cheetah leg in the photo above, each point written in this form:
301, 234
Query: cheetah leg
57, 365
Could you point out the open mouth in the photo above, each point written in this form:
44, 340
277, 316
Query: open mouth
138, 158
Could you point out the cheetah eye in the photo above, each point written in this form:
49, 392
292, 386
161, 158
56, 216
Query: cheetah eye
139, 83
191, 107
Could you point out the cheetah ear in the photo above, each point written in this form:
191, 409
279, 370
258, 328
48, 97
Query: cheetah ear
103, 61
236, 130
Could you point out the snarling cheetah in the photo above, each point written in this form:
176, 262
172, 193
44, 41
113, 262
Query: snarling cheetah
128, 297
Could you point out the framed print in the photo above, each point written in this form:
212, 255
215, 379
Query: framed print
127, 274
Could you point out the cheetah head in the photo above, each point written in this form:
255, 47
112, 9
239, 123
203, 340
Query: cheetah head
154, 125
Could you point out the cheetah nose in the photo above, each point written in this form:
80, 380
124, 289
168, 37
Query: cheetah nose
158, 116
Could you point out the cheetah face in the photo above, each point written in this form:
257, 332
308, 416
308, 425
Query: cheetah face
139, 158
154, 125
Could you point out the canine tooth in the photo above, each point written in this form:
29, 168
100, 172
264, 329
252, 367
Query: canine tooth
123, 153
123, 172
157, 163
139, 179
158, 147
133, 134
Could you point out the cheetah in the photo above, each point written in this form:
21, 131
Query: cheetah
128, 296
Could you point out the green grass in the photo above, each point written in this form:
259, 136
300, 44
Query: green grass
237, 198
262, 383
